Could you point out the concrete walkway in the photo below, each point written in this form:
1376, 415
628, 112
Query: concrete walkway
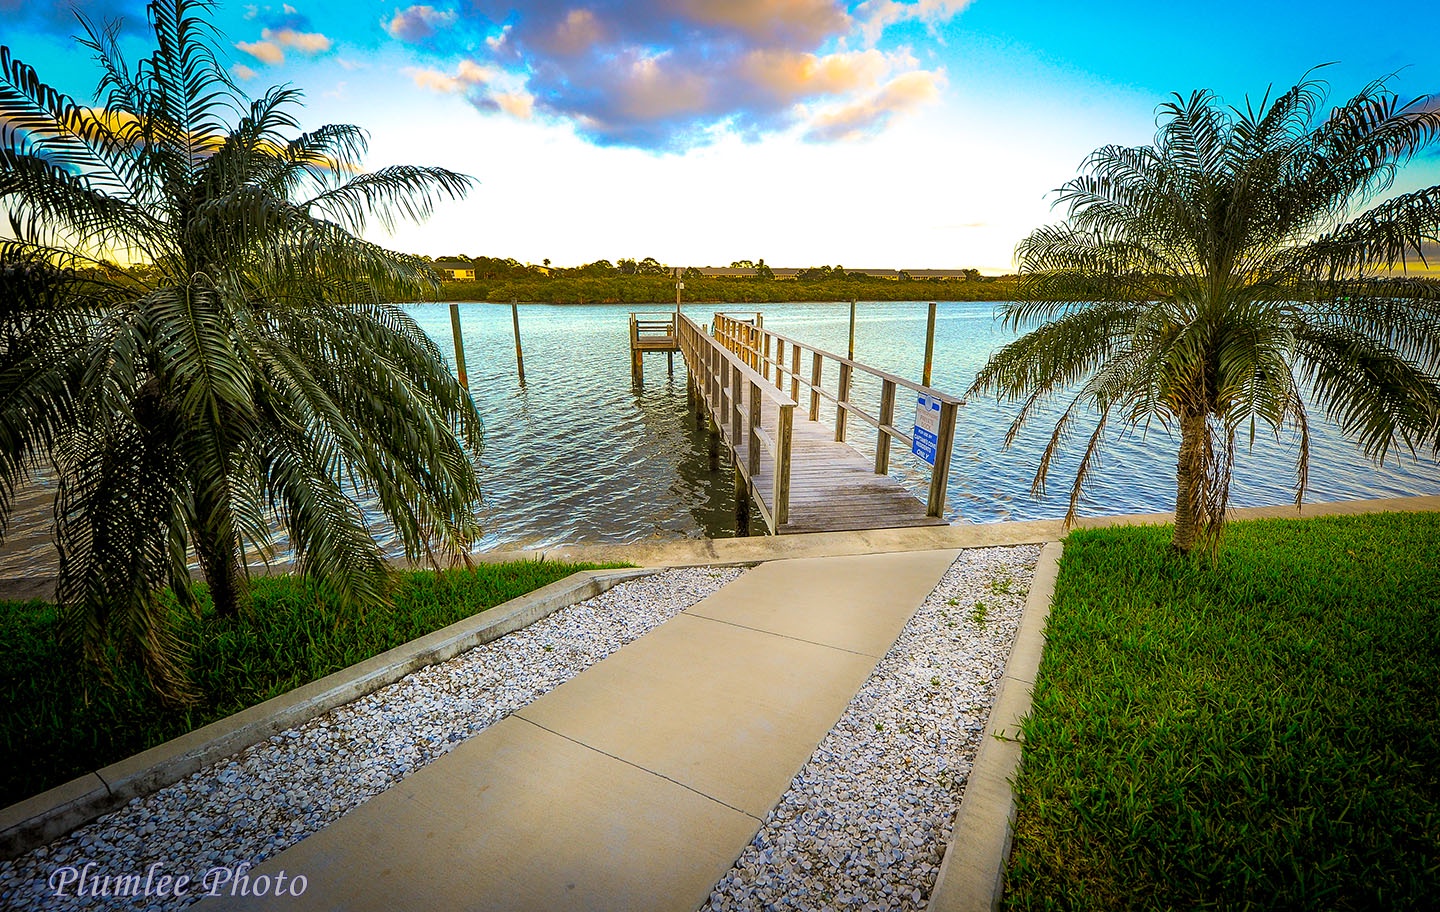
637, 784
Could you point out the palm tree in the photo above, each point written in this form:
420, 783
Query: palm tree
251, 372
1216, 281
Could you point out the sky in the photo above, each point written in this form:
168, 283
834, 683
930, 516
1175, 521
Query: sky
881, 134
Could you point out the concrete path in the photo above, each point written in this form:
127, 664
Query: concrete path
637, 784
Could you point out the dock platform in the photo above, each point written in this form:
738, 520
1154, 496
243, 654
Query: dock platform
746, 383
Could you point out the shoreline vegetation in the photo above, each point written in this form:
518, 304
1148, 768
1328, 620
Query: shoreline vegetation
64, 719
660, 290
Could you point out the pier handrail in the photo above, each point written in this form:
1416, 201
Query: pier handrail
727, 383
650, 332
764, 352
651, 324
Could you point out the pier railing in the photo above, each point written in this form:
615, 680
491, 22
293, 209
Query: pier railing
753, 414
781, 360
649, 332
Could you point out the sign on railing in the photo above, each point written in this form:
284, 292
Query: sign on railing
926, 438
935, 412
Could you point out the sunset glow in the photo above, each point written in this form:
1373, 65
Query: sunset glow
878, 134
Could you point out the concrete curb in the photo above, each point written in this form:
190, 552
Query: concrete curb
37, 820
972, 875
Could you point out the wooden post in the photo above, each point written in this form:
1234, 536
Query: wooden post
717, 390
851, 349
742, 504
737, 396
783, 436
795, 372
637, 363
753, 443
459, 346
940, 475
519, 355
841, 401
714, 445
887, 419
929, 345
815, 364
701, 390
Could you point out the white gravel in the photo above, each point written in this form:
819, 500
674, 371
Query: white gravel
281, 790
865, 824
862, 827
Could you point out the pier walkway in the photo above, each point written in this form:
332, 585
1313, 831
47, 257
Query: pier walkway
746, 384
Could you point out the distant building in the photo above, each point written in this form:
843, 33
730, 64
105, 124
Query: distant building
784, 272
455, 270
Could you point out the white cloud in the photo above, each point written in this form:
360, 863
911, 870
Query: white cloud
264, 51
857, 119
877, 15
418, 23
271, 49
467, 75
305, 42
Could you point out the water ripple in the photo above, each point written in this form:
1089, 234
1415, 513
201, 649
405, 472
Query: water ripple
579, 455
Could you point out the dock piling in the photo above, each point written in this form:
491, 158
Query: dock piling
929, 345
459, 346
851, 349
519, 355
742, 504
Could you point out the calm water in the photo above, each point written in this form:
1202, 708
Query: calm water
579, 454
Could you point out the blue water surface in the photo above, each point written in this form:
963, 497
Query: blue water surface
579, 454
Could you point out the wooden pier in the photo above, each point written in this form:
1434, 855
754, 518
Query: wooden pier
652, 332
746, 383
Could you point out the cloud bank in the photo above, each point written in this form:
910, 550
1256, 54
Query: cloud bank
287, 30
58, 18
672, 74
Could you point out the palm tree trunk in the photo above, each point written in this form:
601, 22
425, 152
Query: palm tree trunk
1190, 482
228, 589
218, 550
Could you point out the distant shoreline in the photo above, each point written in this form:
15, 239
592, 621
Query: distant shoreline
660, 290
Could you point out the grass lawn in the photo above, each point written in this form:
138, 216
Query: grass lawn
1264, 734
59, 721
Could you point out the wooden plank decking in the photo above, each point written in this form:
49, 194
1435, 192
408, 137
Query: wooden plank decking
829, 487
833, 488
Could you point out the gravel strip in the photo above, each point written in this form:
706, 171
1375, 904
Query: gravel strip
865, 824
277, 792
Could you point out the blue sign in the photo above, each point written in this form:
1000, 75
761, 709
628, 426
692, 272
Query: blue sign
927, 427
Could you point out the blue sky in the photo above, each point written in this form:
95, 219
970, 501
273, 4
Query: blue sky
882, 134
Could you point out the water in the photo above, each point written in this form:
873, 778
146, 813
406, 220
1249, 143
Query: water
579, 454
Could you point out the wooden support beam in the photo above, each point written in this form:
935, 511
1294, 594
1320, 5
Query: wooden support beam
940, 474
886, 419
459, 347
519, 352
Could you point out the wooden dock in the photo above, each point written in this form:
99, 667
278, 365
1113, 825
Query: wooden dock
746, 383
652, 332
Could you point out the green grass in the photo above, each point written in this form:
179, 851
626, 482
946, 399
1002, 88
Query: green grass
1263, 734
60, 720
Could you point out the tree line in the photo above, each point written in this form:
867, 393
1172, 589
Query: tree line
720, 289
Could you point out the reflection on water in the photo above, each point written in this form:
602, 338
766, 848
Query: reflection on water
579, 454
